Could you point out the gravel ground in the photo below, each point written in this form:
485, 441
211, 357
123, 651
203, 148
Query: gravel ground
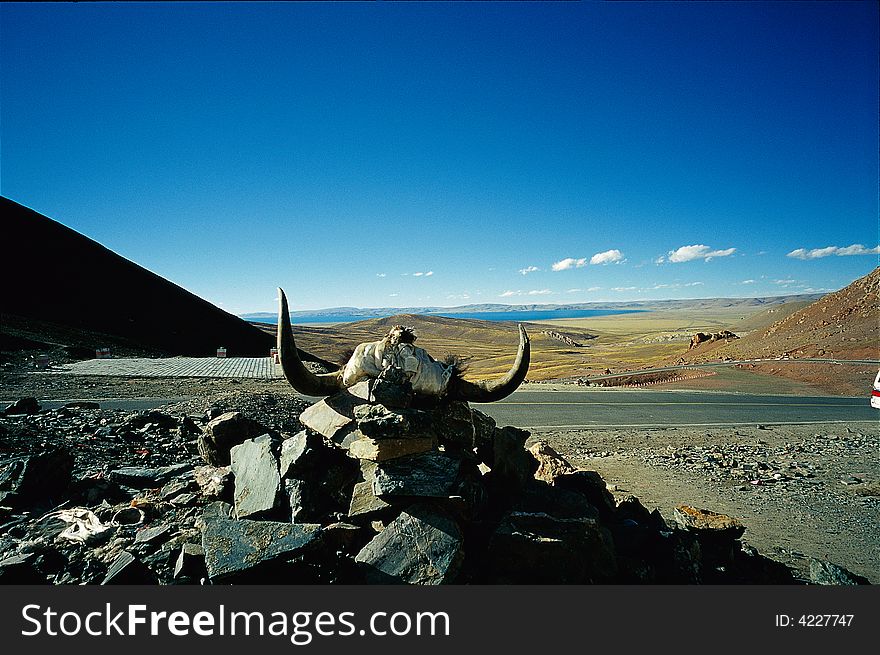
801, 491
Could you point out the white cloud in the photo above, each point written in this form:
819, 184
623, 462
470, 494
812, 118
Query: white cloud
817, 253
419, 274
392, 295
529, 269
747, 282
569, 262
694, 284
607, 257
660, 259
507, 294
573, 290
429, 273
689, 253
624, 288
784, 283
540, 292
380, 275
594, 289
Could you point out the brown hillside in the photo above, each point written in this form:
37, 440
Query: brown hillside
841, 325
488, 346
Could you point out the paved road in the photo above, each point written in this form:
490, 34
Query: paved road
585, 409
547, 409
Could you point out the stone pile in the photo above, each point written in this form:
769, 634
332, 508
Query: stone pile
376, 488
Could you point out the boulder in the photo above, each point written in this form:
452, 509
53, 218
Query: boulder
156, 534
513, 466
592, 487
365, 503
380, 450
190, 563
224, 432
536, 548
484, 436
455, 425
705, 522
257, 481
35, 479
318, 477
826, 573
213, 481
127, 569
550, 463
421, 546
429, 474
233, 548
27, 405
294, 448
380, 422
333, 417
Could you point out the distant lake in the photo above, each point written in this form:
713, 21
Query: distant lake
523, 316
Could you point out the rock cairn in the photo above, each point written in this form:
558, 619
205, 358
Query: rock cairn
374, 489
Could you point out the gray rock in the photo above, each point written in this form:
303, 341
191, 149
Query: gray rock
431, 474
421, 546
364, 503
20, 569
257, 481
292, 451
235, 547
34, 479
296, 494
213, 481
154, 534
454, 423
380, 422
826, 573
536, 548
590, 485
380, 450
28, 405
146, 478
512, 466
127, 569
190, 562
334, 416
224, 432
484, 436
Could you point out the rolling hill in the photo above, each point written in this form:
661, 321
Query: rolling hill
841, 325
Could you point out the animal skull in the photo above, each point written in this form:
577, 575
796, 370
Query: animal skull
427, 376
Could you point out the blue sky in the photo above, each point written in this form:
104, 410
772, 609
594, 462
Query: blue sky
441, 154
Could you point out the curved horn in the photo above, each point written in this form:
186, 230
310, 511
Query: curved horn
484, 391
299, 377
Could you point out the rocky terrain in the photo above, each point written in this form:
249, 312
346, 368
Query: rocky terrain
258, 487
840, 325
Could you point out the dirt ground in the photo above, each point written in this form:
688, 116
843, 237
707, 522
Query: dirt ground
801, 491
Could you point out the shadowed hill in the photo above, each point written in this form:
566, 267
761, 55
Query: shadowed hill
52, 273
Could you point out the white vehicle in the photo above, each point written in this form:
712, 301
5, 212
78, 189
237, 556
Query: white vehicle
875, 392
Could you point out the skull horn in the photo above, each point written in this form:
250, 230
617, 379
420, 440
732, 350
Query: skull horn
484, 391
299, 377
